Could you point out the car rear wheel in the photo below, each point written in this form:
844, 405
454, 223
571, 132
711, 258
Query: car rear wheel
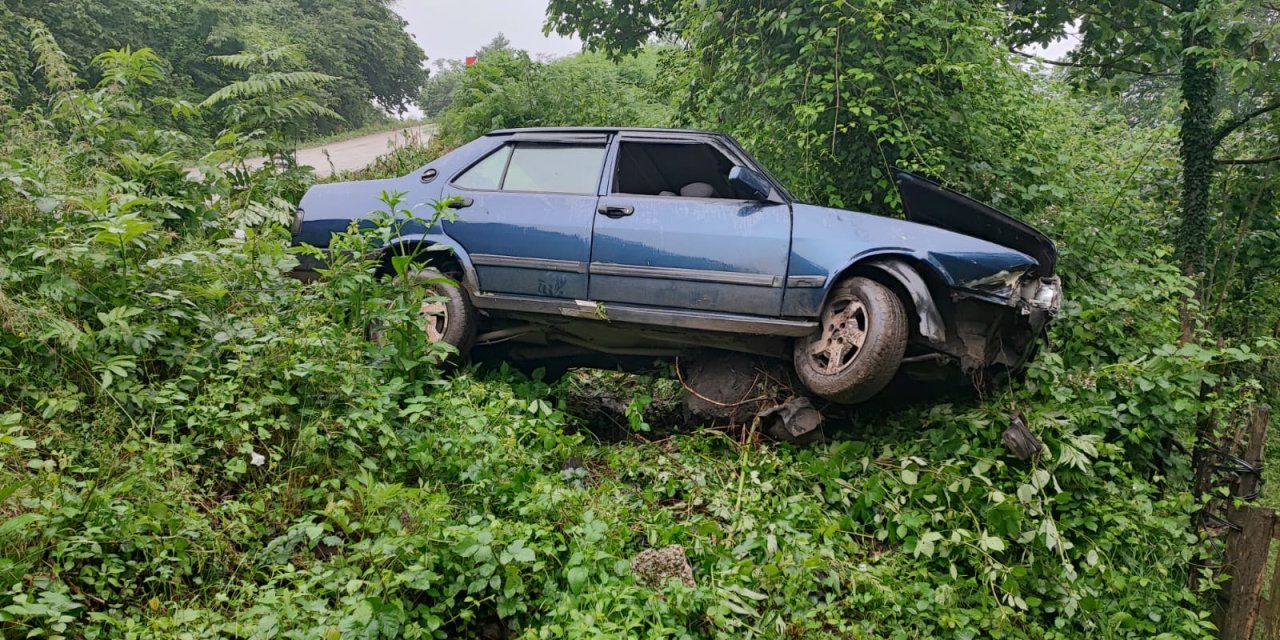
858, 345
451, 320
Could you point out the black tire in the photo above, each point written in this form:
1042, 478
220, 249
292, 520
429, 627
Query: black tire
459, 317
858, 346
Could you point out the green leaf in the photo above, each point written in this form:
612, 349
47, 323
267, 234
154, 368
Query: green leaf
577, 578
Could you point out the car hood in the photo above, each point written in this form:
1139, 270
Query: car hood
929, 203
825, 241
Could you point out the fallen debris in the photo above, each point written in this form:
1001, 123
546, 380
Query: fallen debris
795, 420
1021, 442
654, 566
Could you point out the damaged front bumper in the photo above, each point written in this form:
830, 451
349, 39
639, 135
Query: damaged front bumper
999, 319
1045, 294
1016, 289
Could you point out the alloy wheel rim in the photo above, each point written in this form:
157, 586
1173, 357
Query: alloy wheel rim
435, 317
844, 331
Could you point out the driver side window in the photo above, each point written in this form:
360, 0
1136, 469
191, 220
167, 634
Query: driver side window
673, 170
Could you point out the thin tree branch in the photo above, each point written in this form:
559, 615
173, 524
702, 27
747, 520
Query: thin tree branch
1275, 158
1227, 129
1087, 65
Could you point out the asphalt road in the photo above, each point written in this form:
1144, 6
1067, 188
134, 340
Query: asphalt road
358, 153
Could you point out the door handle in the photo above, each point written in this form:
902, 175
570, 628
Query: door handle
616, 211
460, 203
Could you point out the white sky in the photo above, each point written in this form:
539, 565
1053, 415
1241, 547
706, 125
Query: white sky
456, 28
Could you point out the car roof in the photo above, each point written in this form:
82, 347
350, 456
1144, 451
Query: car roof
504, 132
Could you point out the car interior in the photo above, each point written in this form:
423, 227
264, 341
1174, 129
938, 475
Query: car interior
673, 169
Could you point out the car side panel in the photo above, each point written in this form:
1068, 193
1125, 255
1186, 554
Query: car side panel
526, 243
692, 253
825, 242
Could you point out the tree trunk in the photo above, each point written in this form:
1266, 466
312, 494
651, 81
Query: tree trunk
1199, 87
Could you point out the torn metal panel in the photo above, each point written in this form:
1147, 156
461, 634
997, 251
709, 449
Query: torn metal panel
795, 420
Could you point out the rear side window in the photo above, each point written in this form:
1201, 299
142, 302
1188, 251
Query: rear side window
539, 167
485, 175
554, 168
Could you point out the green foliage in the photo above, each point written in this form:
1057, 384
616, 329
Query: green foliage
832, 95
193, 444
506, 88
1209, 47
362, 44
441, 88
269, 97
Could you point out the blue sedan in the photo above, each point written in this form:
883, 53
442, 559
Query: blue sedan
615, 243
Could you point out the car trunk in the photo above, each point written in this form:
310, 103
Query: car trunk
927, 202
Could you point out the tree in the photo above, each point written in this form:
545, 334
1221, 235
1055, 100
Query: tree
278, 102
441, 86
499, 43
507, 88
1225, 56
834, 94
361, 42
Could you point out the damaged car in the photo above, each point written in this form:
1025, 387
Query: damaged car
598, 246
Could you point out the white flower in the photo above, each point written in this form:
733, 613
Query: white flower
257, 459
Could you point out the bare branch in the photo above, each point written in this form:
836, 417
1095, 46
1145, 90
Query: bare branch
1230, 127
1087, 65
1275, 158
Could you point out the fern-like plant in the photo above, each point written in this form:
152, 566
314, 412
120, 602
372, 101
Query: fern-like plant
51, 61
278, 102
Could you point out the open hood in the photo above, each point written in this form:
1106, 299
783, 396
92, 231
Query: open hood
927, 202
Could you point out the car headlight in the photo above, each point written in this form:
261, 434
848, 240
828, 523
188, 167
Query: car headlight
1048, 295
296, 227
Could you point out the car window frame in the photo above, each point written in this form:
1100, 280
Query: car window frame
513, 141
505, 146
734, 153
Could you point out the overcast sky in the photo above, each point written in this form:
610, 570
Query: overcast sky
456, 28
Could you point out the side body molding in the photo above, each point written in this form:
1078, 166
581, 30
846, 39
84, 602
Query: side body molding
932, 327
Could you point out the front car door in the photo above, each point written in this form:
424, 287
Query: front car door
672, 231
526, 213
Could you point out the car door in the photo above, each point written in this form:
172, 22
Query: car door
525, 212
672, 232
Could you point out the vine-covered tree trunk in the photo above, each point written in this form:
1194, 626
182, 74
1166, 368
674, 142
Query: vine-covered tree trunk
1199, 86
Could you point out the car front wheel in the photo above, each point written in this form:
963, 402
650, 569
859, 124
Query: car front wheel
451, 320
858, 344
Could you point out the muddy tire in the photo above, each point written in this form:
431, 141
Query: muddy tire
453, 320
859, 343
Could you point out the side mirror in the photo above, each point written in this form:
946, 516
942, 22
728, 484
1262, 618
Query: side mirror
750, 183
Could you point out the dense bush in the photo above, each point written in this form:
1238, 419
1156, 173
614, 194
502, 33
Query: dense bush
506, 88
194, 445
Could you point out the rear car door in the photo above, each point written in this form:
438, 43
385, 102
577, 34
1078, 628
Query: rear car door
672, 232
525, 214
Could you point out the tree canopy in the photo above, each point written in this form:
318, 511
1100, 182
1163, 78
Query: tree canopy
362, 43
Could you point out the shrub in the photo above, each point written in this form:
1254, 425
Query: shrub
192, 444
